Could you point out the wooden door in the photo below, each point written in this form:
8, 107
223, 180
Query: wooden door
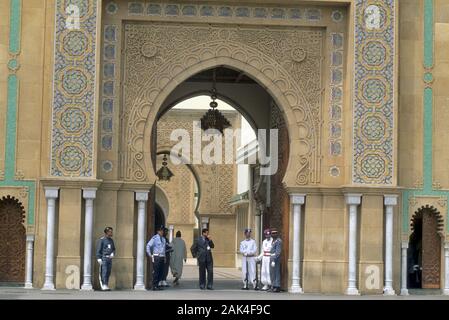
12, 241
431, 251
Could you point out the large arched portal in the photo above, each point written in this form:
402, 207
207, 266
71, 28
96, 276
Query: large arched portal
220, 183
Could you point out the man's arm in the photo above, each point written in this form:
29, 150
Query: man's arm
254, 248
150, 247
278, 249
211, 244
194, 248
242, 249
99, 253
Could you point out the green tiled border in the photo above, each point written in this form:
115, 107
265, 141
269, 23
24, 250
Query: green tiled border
11, 112
427, 189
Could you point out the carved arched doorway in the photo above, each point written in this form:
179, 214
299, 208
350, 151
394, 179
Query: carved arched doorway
12, 241
425, 249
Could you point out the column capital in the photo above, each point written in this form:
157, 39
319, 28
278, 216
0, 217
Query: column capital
51, 192
89, 193
297, 198
404, 244
391, 199
141, 195
353, 198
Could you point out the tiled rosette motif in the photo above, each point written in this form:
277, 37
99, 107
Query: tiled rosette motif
373, 118
74, 89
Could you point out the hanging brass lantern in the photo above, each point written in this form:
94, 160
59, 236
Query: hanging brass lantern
164, 173
213, 119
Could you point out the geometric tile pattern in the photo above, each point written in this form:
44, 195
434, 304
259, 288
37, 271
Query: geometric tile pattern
110, 34
224, 11
336, 96
373, 118
74, 89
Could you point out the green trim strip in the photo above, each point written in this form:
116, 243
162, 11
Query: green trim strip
428, 139
428, 33
15, 26
11, 127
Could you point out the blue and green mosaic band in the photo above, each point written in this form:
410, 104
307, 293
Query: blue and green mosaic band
74, 89
374, 103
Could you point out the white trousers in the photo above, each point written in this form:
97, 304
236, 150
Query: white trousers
265, 273
251, 270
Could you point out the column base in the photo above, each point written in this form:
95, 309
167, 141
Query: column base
28, 285
296, 289
389, 292
139, 287
446, 292
49, 286
404, 292
87, 287
352, 292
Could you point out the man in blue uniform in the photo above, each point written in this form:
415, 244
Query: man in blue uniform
275, 261
156, 250
105, 252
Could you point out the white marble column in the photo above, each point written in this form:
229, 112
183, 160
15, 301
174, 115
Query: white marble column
297, 200
29, 263
353, 200
141, 198
389, 201
51, 194
89, 194
170, 229
446, 269
404, 247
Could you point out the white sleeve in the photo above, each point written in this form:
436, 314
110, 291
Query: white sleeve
242, 249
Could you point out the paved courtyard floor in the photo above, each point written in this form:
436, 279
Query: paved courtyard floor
227, 286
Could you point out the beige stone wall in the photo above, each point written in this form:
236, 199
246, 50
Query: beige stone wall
411, 88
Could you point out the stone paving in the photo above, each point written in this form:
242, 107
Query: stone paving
227, 285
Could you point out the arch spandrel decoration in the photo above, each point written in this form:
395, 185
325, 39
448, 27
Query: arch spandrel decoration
286, 61
437, 205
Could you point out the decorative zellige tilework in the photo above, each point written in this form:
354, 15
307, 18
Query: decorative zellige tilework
74, 90
222, 11
373, 119
336, 94
110, 35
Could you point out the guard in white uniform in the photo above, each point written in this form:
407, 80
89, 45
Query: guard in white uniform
265, 258
248, 248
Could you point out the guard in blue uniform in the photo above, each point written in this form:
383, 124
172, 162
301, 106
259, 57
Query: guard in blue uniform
156, 250
275, 261
105, 252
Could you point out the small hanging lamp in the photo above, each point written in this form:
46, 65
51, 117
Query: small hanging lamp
164, 173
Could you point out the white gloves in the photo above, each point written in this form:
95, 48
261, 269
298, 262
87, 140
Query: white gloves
152, 259
99, 261
273, 264
245, 254
111, 255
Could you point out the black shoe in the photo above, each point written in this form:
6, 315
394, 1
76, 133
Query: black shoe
202, 288
210, 288
276, 290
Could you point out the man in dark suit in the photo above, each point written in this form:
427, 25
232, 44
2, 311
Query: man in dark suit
201, 249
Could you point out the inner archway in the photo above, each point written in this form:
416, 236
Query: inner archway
424, 254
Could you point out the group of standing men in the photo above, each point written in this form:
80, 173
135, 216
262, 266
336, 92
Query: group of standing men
164, 254
270, 257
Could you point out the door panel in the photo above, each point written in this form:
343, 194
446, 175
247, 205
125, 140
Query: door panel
431, 252
12, 241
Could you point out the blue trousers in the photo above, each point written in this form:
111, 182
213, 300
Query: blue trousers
158, 270
106, 268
